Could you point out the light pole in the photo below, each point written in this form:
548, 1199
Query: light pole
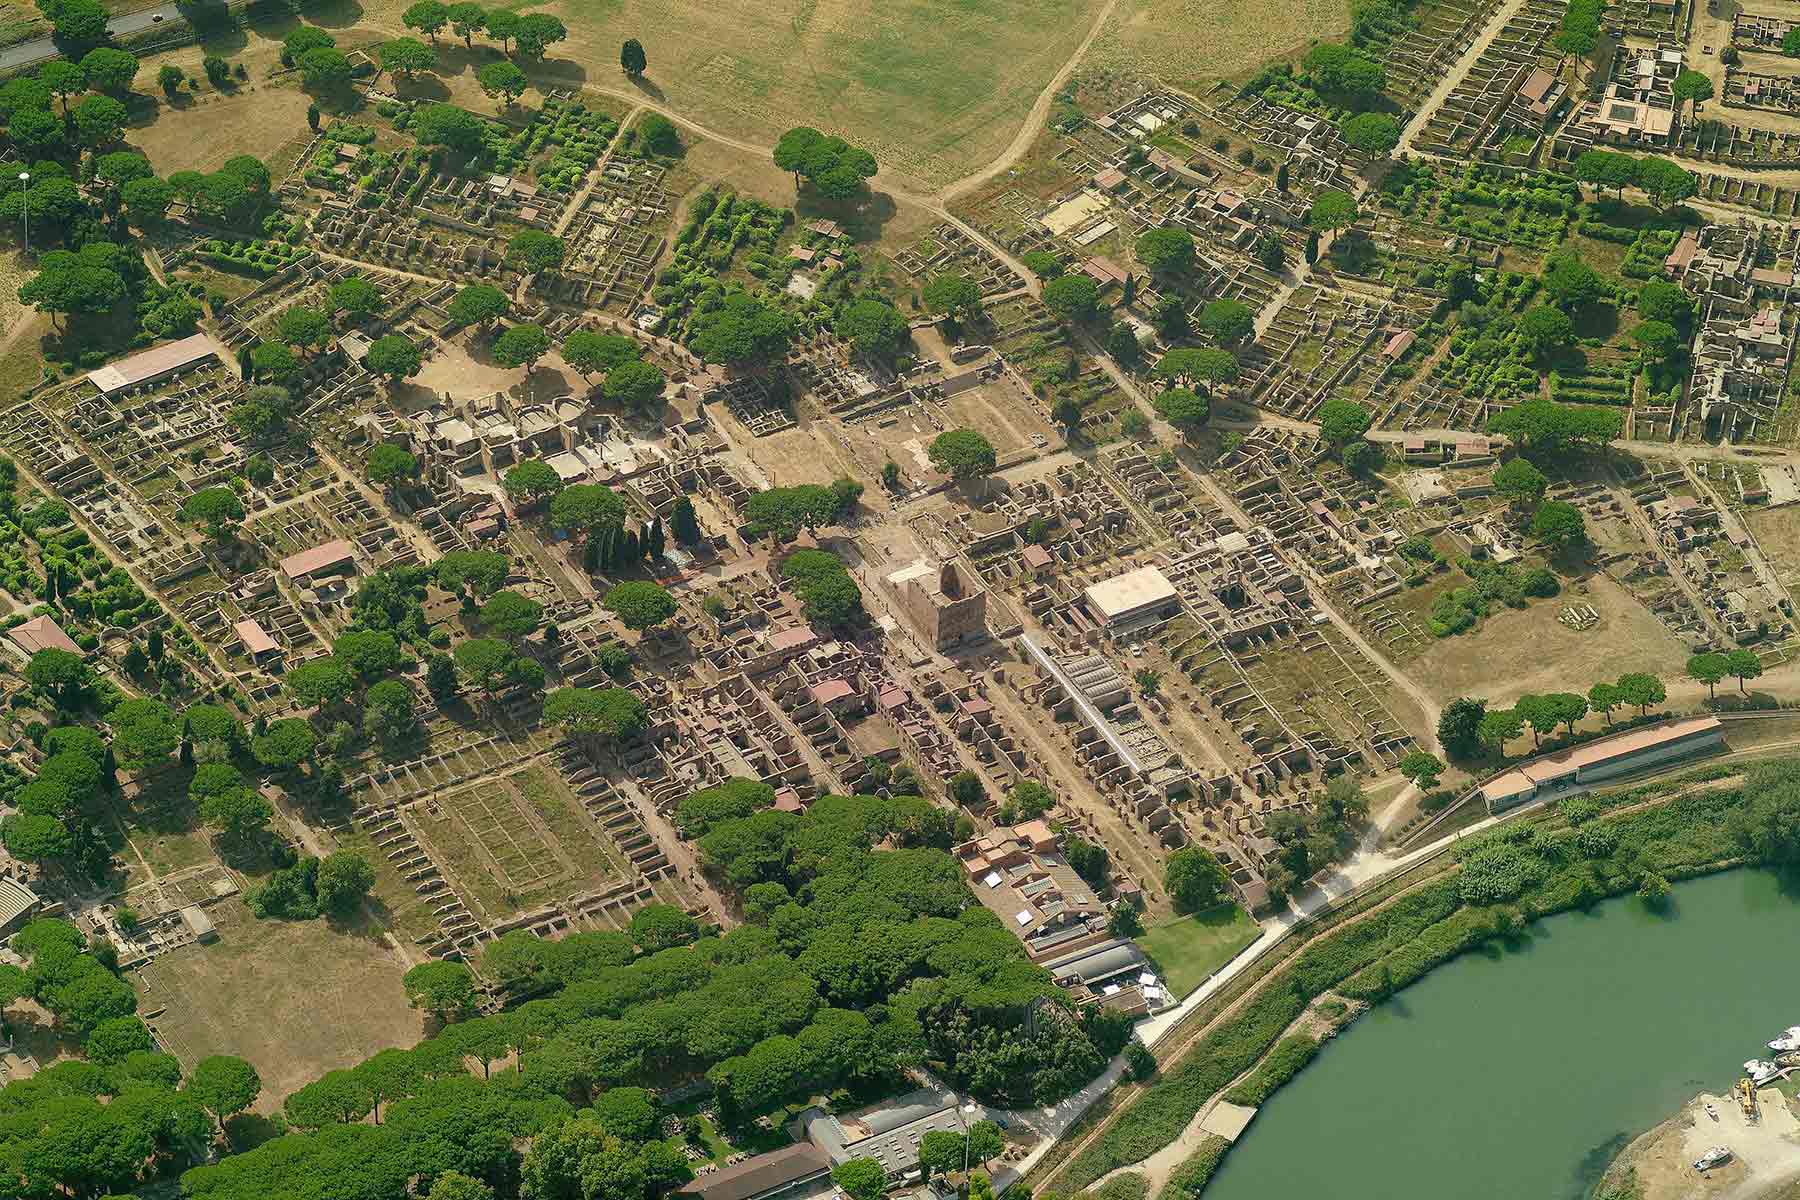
25, 206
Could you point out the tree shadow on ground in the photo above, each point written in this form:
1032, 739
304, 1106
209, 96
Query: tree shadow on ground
408, 397
142, 116
396, 750
1353, 254
454, 58
863, 218
35, 1031
1754, 700
1597, 320
1570, 359
247, 1131
647, 86
162, 805
459, 710
90, 334
255, 856
336, 14
421, 87
232, 39
542, 386
566, 72
479, 347
272, 14
365, 924
338, 100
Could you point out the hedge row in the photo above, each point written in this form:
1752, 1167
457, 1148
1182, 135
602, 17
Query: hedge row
261, 258
1569, 395
1442, 942
1592, 381
1600, 231
1283, 1063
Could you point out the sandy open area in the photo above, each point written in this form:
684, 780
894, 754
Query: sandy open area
1766, 1151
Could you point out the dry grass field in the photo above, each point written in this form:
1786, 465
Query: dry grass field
1528, 650
20, 328
1193, 43
879, 220
254, 120
935, 88
295, 998
1777, 531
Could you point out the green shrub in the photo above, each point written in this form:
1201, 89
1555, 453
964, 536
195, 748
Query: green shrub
1283, 1063
1130, 1186
1188, 1180
1578, 809
1464, 930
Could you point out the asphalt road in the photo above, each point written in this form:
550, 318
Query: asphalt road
124, 25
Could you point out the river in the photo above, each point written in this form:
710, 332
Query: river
1521, 1072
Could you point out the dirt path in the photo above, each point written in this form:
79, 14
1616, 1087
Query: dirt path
1427, 706
1456, 75
935, 202
1159, 1166
28, 320
594, 176
381, 267
1283, 293
1034, 120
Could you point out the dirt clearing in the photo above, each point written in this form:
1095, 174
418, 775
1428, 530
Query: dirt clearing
295, 998
1514, 651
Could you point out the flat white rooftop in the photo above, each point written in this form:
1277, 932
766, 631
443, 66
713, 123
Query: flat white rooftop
1128, 594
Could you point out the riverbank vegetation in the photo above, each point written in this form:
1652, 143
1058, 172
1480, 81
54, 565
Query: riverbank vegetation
1282, 1064
1129, 1186
1596, 846
1187, 1180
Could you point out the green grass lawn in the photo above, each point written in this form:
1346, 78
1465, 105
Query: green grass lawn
1188, 949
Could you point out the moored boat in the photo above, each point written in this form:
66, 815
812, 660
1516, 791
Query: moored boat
1717, 1156
1761, 1070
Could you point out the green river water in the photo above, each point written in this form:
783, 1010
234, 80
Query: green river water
1521, 1072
